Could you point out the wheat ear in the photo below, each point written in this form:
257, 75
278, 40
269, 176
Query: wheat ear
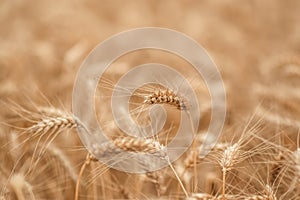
229, 158
52, 124
167, 96
130, 144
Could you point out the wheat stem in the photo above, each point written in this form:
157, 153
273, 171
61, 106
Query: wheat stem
179, 181
223, 184
88, 160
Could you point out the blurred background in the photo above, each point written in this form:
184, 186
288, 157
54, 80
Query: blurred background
44, 42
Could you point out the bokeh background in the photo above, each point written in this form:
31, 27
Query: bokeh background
45, 41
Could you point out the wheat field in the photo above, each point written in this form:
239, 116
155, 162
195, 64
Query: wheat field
254, 43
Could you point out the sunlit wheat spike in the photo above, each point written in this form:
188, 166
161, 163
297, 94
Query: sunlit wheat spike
230, 157
50, 128
53, 124
130, 144
167, 96
138, 144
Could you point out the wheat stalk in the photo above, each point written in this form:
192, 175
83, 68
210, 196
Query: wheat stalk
89, 158
229, 158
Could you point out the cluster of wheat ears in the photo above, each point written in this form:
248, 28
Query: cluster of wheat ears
259, 159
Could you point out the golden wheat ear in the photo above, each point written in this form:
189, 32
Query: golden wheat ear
130, 144
168, 97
